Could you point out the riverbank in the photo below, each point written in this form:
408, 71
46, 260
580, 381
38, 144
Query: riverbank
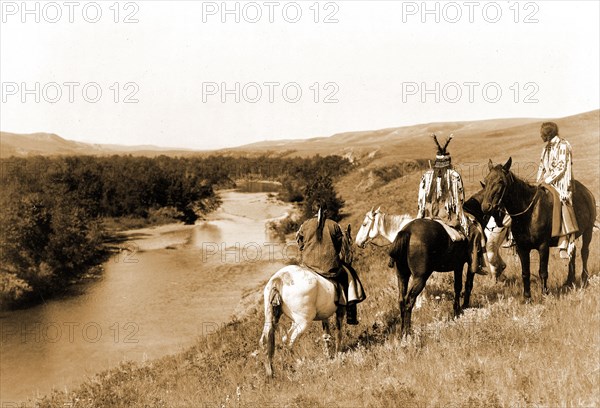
500, 353
167, 286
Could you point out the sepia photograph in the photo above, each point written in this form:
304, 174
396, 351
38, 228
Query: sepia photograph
299, 204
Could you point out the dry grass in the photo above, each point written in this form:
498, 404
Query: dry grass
499, 353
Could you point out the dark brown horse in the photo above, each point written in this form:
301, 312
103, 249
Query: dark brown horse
530, 208
422, 247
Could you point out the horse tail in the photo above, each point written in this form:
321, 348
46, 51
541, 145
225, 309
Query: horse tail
273, 302
399, 251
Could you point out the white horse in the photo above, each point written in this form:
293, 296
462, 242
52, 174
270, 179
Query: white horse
304, 296
377, 223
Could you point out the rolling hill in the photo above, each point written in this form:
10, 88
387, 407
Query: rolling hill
50, 144
474, 143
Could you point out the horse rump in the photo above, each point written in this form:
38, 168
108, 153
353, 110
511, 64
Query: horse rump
399, 250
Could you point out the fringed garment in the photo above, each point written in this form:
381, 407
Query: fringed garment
441, 195
556, 167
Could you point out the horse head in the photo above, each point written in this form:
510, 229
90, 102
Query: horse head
368, 229
495, 185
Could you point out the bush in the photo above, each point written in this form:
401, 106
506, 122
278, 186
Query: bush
321, 192
281, 228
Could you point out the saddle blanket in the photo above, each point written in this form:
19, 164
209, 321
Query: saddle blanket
455, 235
563, 218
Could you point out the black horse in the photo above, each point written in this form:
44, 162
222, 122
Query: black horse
530, 208
422, 247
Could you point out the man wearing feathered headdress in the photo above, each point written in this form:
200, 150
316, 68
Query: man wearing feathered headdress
441, 196
441, 192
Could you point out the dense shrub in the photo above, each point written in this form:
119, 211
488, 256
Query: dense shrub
55, 210
321, 192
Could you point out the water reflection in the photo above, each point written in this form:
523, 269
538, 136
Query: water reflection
151, 303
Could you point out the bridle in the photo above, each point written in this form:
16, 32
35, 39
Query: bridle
509, 177
369, 239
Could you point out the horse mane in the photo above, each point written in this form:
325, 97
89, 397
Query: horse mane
516, 180
396, 220
520, 188
473, 206
346, 252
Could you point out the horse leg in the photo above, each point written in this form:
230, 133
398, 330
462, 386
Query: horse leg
525, 272
416, 286
327, 336
297, 328
457, 290
403, 278
339, 320
571, 272
585, 253
544, 253
468, 288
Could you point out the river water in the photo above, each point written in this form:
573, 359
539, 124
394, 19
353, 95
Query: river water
169, 285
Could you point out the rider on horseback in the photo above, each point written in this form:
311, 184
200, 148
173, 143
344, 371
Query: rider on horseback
320, 242
556, 170
441, 195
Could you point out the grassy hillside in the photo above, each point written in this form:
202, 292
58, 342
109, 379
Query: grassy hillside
499, 353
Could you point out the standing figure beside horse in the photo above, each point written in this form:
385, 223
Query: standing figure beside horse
535, 211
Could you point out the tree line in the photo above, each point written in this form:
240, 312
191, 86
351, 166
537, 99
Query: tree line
51, 222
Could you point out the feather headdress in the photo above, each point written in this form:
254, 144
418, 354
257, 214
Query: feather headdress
442, 150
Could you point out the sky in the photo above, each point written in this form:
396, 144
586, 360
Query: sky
206, 75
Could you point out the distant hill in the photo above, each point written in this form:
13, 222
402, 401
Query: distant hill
49, 144
474, 143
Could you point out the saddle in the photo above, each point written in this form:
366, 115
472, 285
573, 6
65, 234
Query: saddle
454, 234
557, 214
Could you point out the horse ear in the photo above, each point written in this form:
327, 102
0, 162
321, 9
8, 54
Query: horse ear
490, 165
377, 210
371, 210
506, 166
349, 230
482, 184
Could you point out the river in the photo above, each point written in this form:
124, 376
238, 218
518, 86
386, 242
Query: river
169, 285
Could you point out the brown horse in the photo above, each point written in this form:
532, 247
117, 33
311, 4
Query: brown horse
530, 208
420, 247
